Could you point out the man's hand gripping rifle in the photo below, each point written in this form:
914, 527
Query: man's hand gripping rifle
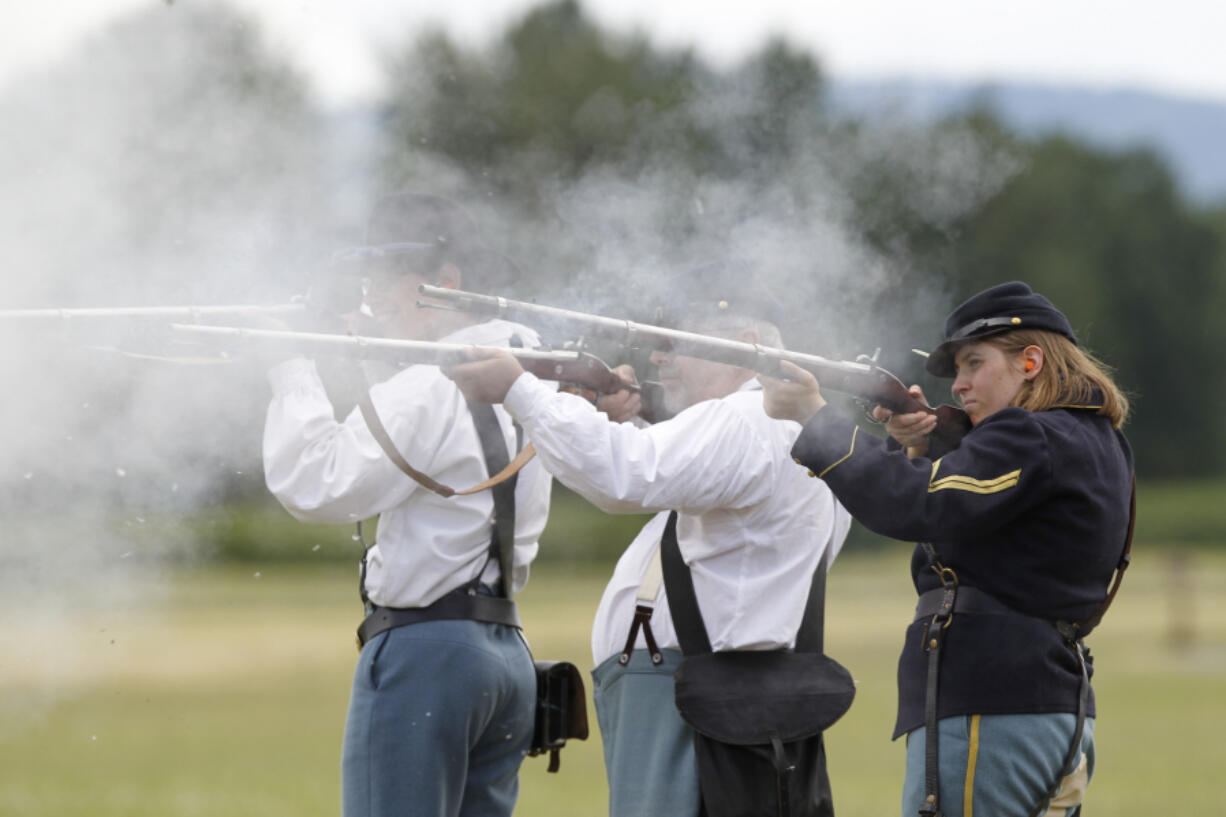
865, 380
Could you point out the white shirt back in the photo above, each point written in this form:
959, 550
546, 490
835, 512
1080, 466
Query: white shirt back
322, 470
752, 524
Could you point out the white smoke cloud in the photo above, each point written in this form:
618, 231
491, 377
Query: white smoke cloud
173, 159
170, 159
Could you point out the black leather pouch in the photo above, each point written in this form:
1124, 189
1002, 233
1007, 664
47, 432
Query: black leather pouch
561, 709
759, 718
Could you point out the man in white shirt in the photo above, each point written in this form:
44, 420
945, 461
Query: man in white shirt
752, 525
442, 707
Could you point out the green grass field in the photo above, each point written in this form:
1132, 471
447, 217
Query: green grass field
225, 693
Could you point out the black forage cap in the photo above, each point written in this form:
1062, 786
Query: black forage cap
437, 229
999, 309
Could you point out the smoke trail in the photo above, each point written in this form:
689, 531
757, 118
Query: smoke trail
170, 159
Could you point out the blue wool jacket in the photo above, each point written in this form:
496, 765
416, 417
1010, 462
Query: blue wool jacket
1031, 507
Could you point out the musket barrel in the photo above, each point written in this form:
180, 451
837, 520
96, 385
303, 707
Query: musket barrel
566, 366
867, 381
763, 359
307, 343
621, 331
187, 312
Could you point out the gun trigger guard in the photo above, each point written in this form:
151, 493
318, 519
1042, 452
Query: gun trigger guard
867, 407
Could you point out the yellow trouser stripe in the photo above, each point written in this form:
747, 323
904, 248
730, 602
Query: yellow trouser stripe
958, 482
972, 757
854, 432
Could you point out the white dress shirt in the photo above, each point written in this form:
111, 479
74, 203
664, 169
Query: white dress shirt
322, 470
752, 524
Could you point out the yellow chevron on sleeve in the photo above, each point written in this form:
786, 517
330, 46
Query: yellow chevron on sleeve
850, 451
958, 482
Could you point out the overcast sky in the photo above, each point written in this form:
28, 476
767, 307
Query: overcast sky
1173, 46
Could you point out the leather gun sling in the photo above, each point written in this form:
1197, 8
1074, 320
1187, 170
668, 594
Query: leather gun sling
379, 432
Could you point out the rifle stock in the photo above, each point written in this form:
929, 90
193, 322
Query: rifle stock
867, 381
569, 367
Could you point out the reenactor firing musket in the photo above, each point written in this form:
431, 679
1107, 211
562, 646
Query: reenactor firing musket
863, 379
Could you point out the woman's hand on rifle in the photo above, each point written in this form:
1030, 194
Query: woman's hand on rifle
910, 430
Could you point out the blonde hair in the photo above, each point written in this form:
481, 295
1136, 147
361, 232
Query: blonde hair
1070, 376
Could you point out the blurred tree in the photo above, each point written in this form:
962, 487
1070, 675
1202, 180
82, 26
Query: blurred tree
1108, 238
610, 153
553, 95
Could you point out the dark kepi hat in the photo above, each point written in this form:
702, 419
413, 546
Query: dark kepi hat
439, 231
723, 288
1002, 308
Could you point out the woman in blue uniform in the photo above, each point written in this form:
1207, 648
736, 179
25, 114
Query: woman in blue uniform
1021, 526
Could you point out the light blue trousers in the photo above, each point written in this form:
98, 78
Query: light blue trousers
648, 749
440, 718
999, 765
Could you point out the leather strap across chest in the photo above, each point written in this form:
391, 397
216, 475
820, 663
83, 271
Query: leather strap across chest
379, 432
467, 602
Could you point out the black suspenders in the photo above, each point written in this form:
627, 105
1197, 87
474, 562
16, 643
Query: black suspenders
466, 602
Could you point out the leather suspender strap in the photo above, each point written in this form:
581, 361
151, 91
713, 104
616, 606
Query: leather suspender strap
502, 541
810, 635
934, 641
682, 601
466, 602
1083, 627
687, 618
644, 607
1073, 634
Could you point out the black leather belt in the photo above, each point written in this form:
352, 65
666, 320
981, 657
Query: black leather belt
967, 600
458, 604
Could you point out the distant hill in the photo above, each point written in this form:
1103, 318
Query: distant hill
1188, 133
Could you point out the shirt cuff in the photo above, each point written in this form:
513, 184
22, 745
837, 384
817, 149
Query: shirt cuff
525, 394
825, 442
292, 375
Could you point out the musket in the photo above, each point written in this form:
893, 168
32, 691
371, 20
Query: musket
192, 313
569, 367
577, 371
863, 379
